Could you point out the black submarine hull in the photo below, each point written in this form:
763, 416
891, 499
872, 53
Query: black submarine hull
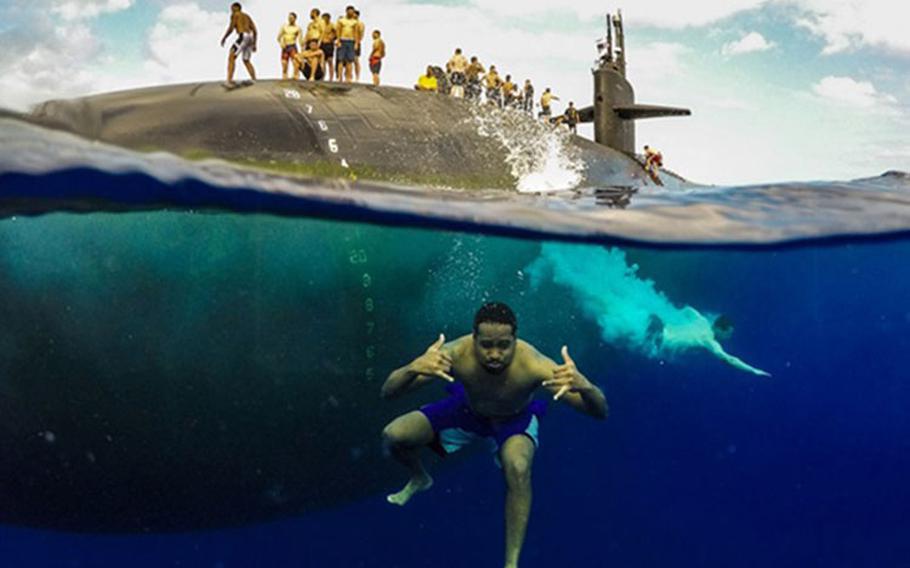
169, 371
330, 129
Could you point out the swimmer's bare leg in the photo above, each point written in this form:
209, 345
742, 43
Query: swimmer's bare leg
404, 437
517, 456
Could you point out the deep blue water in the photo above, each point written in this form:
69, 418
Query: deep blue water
698, 464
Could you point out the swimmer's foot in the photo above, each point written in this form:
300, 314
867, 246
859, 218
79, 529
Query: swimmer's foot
415, 485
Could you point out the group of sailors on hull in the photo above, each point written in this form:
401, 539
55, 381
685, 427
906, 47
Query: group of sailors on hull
325, 49
332, 50
470, 80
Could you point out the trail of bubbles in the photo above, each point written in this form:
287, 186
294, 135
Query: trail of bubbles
541, 158
629, 310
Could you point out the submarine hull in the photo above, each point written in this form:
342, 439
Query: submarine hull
326, 129
169, 371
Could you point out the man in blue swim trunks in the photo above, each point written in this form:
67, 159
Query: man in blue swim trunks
492, 377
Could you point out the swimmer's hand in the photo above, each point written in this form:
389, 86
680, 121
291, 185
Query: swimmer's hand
567, 377
434, 362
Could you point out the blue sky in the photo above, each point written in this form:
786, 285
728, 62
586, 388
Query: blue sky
779, 89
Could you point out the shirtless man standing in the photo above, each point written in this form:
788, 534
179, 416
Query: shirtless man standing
328, 45
492, 378
245, 43
361, 31
377, 54
346, 29
288, 36
314, 29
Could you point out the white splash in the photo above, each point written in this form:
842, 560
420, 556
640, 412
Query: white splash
629, 310
541, 157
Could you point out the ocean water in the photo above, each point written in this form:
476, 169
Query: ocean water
190, 361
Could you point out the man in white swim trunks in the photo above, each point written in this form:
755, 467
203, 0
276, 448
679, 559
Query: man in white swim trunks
245, 44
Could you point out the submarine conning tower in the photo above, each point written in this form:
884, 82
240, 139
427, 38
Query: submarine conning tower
614, 110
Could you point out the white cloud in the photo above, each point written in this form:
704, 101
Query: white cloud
88, 9
749, 43
660, 13
183, 44
850, 24
848, 92
42, 71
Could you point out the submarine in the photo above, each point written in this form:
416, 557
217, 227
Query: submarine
170, 369
376, 133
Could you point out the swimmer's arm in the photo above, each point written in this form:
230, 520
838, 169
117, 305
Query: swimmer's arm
577, 391
281, 37
434, 364
255, 33
734, 361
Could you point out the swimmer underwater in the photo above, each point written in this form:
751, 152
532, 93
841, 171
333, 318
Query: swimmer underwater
492, 378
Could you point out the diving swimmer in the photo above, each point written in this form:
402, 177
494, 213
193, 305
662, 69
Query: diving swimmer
693, 330
492, 377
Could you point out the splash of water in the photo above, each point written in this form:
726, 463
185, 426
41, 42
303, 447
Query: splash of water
541, 157
629, 310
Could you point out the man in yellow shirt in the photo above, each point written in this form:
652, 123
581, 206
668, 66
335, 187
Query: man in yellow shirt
508, 92
494, 84
288, 36
457, 68
474, 74
546, 99
427, 82
346, 34
327, 43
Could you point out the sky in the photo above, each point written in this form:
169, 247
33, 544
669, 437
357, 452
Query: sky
780, 90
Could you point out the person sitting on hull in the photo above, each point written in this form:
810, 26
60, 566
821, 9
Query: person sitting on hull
311, 61
491, 378
244, 45
288, 36
427, 82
